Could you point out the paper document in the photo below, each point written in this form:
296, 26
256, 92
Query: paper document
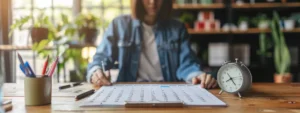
119, 94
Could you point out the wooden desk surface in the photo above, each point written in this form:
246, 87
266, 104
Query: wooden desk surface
262, 98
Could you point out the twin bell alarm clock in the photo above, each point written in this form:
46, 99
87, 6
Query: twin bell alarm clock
234, 77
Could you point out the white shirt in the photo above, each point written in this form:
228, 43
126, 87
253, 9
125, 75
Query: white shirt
149, 64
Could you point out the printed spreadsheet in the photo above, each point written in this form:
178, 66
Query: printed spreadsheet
119, 94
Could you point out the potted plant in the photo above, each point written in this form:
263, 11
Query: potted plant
187, 19
39, 31
265, 46
282, 58
180, 2
243, 23
289, 24
88, 24
261, 21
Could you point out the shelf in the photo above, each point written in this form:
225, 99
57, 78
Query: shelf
192, 31
249, 31
15, 48
265, 5
199, 6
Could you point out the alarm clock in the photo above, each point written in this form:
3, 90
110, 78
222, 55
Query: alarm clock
234, 77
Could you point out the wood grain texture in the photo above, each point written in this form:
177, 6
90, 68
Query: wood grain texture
249, 31
261, 98
265, 5
199, 6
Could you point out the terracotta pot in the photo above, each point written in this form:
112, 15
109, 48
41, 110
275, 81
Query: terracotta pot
283, 78
187, 25
90, 35
38, 34
283, 1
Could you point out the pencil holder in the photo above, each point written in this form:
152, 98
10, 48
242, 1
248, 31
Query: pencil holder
37, 91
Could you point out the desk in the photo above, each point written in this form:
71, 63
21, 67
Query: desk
262, 98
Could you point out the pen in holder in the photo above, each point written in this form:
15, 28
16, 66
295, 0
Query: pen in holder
38, 90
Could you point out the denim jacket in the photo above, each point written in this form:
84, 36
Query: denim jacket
122, 43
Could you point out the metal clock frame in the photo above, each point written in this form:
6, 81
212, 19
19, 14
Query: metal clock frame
247, 79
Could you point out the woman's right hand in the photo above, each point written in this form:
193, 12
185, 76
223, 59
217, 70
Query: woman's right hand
99, 78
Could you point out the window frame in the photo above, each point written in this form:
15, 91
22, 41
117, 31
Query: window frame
75, 9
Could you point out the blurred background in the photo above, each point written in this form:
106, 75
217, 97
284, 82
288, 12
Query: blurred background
263, 34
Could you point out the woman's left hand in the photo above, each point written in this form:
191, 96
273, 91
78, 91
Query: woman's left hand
205, 80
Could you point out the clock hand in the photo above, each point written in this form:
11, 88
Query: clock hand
236, 77
228, 80
229, 76
233, 82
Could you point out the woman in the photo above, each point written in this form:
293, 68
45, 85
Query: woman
149, 47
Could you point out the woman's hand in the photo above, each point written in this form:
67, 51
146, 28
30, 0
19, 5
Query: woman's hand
206, 81
101, 79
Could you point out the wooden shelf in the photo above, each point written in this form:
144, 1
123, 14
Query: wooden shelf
249, 31
15, 48
199, 6
192, 31
265, 5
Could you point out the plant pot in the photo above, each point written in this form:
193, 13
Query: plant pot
187, 25
263, 25
283, 78
283, 1
218, 1
243, 26
240, 2
180, 2
205, 1
38, 34
90, 35
289, 24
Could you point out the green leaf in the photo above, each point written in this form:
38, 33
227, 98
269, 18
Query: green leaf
64, 18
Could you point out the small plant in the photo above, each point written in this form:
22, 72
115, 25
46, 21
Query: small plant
87, 24
243, 19
260, 18
187, 18
88, 20
264, 45
282, 57
41, 21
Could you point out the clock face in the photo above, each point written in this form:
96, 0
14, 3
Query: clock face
230, 78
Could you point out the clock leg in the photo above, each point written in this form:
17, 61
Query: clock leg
240, 95
220, 92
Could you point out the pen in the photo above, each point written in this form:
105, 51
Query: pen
22, 69
85, 94
22, 65
51, 71
29, 68
45, 66
103, 69
69, 85
77, 84
64, 87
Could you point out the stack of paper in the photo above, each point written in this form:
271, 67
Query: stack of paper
119, 94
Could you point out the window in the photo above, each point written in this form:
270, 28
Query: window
107, 10
104, 9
